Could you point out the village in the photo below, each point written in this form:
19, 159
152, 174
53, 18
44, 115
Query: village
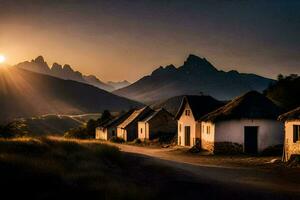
250, 124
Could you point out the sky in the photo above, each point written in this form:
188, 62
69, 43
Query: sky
127, 39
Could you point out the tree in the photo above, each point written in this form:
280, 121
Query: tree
7, 130
105, 117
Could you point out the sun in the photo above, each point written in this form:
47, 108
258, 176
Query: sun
2, 58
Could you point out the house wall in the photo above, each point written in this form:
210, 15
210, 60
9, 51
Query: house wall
207, 136
101, 133
122, 133
269, 132
291, 148
143, 131
188, 121
163, 122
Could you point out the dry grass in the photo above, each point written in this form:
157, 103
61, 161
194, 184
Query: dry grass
54, 167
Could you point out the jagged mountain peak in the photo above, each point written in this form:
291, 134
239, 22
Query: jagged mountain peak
56, 67
39, 59
196, 62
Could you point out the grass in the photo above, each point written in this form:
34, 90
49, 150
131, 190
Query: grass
55, 168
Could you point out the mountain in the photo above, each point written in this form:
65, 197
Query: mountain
285, 92
25, 94
195, 76
119, 85
66, 72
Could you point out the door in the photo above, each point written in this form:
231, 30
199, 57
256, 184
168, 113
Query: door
250, 139
187, 135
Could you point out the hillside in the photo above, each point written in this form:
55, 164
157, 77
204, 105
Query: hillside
195, 76
66, 72
285, 92
26, 94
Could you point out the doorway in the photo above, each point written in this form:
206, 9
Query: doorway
250, 139
187, 135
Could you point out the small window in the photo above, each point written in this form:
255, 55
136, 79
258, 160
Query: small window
187, 112
179, 127
208, 129
179, 140
296, 133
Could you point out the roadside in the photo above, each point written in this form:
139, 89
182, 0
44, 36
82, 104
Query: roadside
257, 172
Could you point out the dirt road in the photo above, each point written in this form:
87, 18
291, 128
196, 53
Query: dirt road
238, 173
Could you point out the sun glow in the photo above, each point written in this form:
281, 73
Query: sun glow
2, 59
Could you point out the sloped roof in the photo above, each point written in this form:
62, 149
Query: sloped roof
252, 105
291, 115
136, 115
152, 115
118, 120
200, 105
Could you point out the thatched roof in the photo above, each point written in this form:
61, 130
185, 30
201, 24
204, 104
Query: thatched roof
200, 105
292, 115
135, 116
252, 105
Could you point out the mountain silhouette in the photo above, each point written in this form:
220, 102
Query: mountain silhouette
66, 72
119, 85
195, 76
25, 94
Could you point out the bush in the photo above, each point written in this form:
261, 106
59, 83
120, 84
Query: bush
137, 141
273, 151
117, 140
80, 133
228, 148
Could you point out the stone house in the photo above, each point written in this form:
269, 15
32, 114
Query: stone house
246, 124
128, 129
192, 108
156, 123
292, 133
109, 129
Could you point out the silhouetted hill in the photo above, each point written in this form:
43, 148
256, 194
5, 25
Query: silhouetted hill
195, 76
119, 85
25, 94
64, 72
285, 92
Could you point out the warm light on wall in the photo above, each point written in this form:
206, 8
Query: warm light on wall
2, 58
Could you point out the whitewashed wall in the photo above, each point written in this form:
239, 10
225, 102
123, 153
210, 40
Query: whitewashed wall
188, 121
101, 134
291, 147
270, 132
143, 130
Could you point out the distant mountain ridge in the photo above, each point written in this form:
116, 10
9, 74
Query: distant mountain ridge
195, 76
119, 85
25, 94
66, 72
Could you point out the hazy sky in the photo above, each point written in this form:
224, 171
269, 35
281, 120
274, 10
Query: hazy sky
127, 39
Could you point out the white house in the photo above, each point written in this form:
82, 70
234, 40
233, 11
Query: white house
156, 123
246, 124
292, 133
108, 130
192, 108
128, 129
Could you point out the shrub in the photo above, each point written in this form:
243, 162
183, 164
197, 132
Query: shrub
228, 148
137, 141
273, 151
80, 133
117, 140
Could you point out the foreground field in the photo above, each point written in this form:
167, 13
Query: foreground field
55, 168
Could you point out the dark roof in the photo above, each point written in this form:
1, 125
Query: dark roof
292, 115
135, 116
153, 114
118, 120
252, 105
200, 105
